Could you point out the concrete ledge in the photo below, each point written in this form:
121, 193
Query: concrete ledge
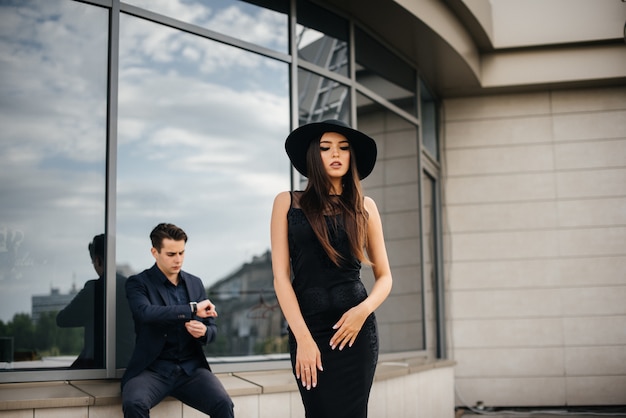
392, 369
42, 395
80, 393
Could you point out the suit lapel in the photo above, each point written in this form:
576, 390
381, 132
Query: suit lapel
157, 280
189, 284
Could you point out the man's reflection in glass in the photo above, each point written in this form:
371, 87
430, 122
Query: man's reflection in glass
87, 310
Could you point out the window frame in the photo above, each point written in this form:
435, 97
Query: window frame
426, 164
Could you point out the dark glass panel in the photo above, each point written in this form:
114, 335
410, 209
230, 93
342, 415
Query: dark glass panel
53, 93
201, 145
430, 260
394, 185
384, 73
262, 22
322, 38
429, 122
321, 98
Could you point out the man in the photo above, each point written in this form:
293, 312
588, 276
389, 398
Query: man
173, 319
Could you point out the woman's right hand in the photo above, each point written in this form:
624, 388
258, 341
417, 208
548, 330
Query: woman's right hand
308, 363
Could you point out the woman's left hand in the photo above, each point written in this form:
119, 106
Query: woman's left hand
348, 327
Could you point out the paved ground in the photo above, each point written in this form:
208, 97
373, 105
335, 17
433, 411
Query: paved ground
613, 412
540, 415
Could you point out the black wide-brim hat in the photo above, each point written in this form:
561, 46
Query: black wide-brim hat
298, 141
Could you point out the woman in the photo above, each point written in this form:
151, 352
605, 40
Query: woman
323, 234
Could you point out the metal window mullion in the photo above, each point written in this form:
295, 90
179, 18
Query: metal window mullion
111, 185
420, 205
352, 74
293, 80
438, 211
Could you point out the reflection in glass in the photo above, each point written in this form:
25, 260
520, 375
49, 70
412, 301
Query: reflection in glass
384, 73
320, 98
52, 182
200, 145
395, 184
322, 38
253, 323
428, 110
262, 22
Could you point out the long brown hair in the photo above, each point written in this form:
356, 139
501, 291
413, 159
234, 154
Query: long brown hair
316, 202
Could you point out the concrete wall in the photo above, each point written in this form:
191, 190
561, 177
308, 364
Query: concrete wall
535, 219
411, 388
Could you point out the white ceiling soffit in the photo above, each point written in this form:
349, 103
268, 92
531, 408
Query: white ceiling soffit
532, 23
481, 46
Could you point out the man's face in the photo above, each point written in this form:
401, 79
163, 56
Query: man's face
170, 259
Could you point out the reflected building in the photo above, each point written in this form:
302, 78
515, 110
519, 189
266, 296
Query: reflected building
250, 320
53, 302
322, 98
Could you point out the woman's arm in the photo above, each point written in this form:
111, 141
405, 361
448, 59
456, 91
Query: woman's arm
377, 253
308, 357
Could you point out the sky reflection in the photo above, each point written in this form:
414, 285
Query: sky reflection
200, 143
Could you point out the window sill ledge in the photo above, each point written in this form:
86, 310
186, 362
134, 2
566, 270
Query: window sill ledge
81, 393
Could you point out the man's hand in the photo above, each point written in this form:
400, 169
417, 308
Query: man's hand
196, 328
206, 309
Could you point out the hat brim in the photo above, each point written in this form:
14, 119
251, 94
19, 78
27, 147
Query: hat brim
298, 141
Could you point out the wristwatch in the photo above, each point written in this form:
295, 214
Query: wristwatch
194, 307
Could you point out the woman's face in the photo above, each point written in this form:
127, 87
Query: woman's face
335, 153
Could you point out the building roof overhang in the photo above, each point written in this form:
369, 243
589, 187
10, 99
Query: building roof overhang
456, 51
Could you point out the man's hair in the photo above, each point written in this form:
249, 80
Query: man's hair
96, 247
163, 231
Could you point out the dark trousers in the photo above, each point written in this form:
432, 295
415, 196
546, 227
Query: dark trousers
202, 391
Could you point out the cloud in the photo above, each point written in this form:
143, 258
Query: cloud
53, 97
187, 11
201, 132
200, 137
242, 20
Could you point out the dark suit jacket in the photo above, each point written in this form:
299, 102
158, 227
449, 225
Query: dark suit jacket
87, 310
148, 301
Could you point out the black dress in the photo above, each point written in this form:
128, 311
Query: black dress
325, 292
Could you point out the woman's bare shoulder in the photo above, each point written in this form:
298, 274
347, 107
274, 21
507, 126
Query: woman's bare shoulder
282, 201
369, 203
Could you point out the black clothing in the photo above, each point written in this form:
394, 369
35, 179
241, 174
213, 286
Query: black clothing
167, 360
325, 292
87, 310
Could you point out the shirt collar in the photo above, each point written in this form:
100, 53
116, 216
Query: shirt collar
165, 280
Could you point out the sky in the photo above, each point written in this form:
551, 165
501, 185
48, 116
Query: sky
201, 128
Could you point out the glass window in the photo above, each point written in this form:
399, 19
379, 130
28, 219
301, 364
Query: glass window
394, 185
52, 182
321, 98
322, 38
262, 22
200, 145
428, 108
384, 73
431, 254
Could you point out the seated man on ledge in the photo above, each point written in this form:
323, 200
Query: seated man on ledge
173, 319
